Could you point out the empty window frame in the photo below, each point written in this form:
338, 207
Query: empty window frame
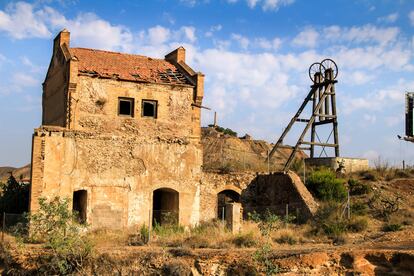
149, 108
126, 107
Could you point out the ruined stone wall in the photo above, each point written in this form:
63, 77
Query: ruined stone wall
54, 92
274, 191
118, 173
96, 109
214, 183
259, 192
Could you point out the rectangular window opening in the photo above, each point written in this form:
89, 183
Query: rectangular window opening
126, 107
149, 108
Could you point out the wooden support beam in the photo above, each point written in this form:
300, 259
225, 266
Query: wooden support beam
324, 122
302, 120
320, 144
325, 115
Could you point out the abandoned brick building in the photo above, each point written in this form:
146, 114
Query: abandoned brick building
120, 138
120, 135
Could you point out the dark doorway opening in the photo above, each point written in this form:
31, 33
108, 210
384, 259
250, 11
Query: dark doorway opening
226, 196
165, 207
80, 204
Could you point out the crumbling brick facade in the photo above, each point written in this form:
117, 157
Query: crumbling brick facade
118, 129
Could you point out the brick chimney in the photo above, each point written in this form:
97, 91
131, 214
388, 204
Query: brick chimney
63, 37
176, 56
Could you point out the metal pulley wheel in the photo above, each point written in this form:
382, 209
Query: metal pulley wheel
313, 69
329, 64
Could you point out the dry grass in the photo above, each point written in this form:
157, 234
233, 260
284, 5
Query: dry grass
211, 234
109, 238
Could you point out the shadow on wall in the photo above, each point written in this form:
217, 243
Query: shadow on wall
277, 192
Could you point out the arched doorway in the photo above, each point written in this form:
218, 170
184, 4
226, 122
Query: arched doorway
79, 203
165, 206
226, 196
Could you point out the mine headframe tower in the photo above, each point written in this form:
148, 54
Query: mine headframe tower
322, 95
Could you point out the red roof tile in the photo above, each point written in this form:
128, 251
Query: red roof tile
127, 67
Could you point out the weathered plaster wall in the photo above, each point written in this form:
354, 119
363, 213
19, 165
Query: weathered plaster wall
96, 109
351, 164
258, 193
119, 174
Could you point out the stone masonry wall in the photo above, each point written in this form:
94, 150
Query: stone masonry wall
258, 193
121, 160
118, 174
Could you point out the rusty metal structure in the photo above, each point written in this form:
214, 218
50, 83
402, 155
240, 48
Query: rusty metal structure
409, 117
322, 97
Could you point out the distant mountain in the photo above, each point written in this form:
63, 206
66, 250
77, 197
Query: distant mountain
18, 173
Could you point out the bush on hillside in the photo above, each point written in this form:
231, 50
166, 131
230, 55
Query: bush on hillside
324, 185
358, 188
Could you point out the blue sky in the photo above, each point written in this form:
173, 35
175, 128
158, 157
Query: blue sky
255, 55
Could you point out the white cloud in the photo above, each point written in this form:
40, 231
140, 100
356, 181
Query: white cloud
158, 35
252, 3
393, 120
188, 33
269, 5
20, 21
239, 83
242, 40
266, 44
411, 17
306, 38
24, 80
213, 29
190, 3
369, 118
273, 5
361, 34
390, 18
378, 100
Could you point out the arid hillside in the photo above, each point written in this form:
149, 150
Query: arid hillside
228, 153
18, 173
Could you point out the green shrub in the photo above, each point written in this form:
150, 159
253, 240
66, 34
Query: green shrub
167, 230
330, 221
369, 175
263, 256
286, 238
358, 188
225, 130
245, 240
325, 186
359, 208
402, 173
55, 225
357, 225
392, 227
267, 222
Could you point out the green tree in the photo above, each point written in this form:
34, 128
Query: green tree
14, 197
